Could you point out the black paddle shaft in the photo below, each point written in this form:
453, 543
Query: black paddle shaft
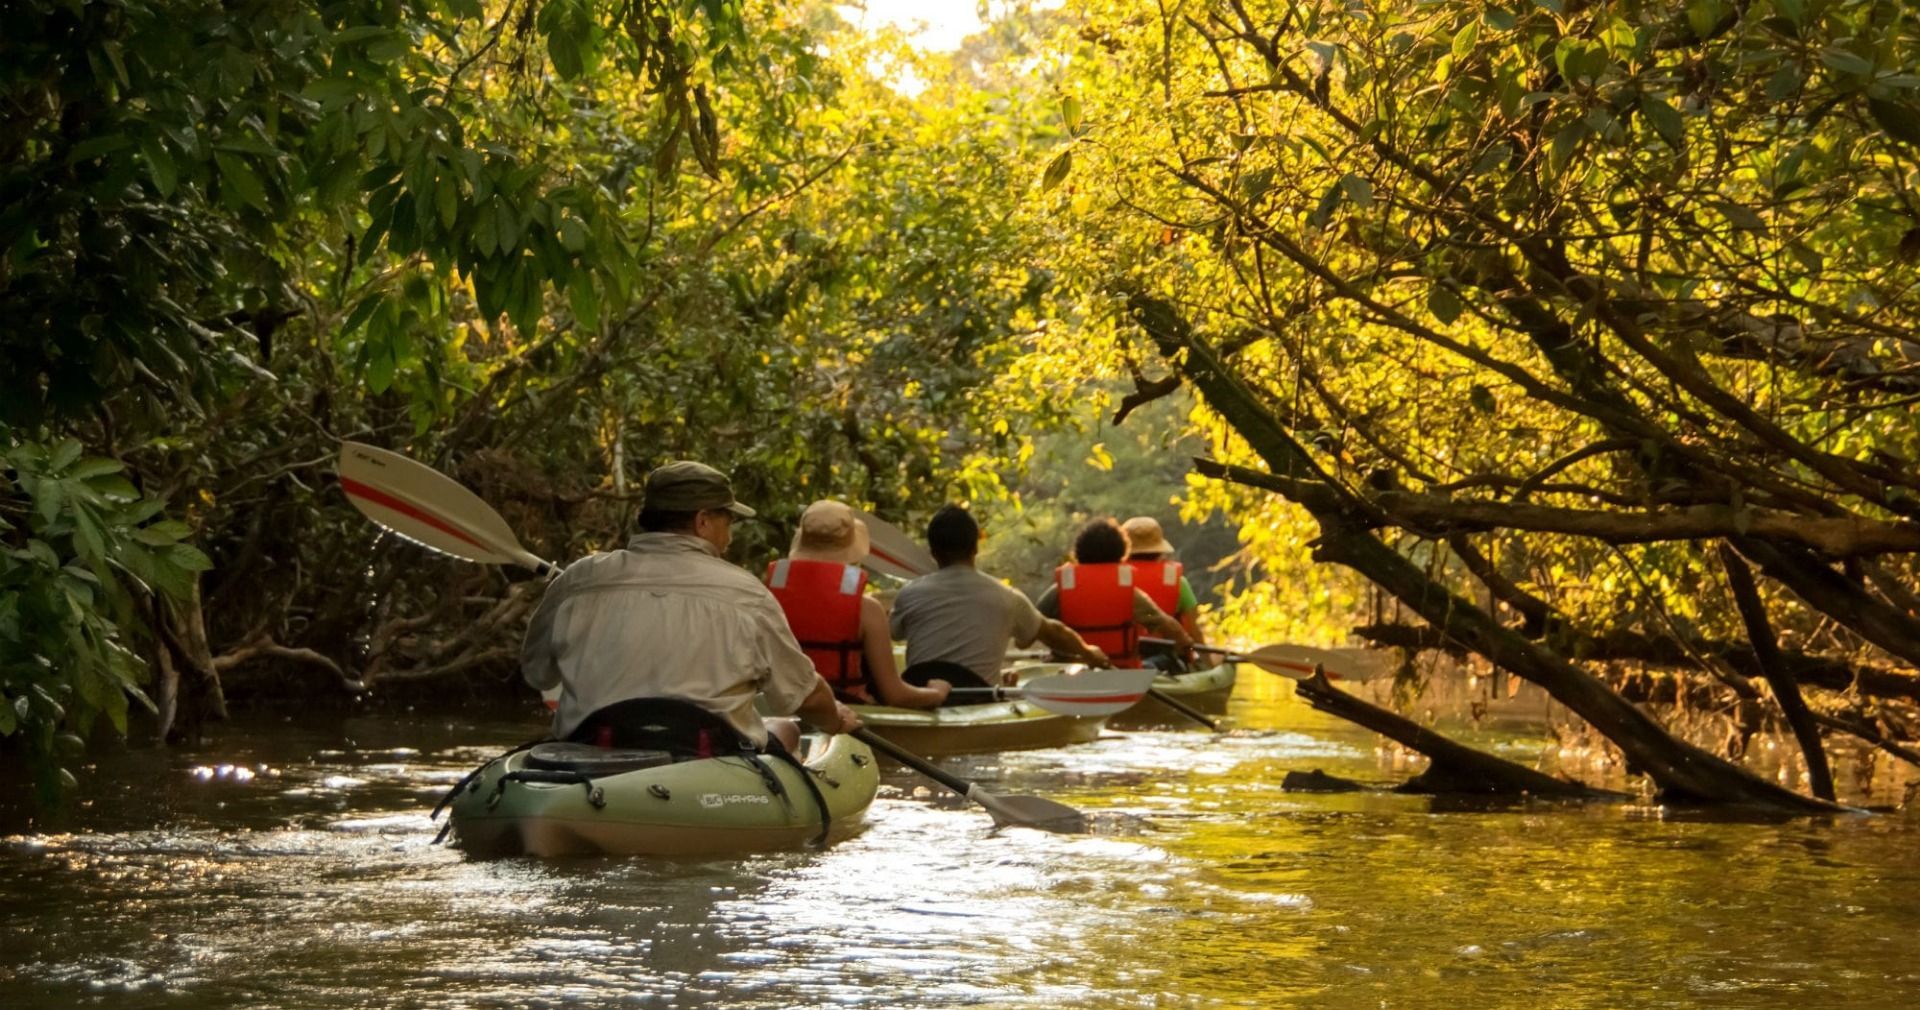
1197, 647
1183, 708
913, 761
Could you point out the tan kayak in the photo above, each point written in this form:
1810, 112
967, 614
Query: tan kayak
977, 729
1011, 724
1205, 690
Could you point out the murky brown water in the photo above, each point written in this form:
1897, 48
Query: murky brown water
288, 865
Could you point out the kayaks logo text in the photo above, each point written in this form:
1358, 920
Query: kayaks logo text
715, 800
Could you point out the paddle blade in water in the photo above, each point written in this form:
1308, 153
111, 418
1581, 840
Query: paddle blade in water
1091, 693
1030, 812
428, 507
891, 552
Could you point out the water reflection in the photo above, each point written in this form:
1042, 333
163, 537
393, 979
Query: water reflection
310, 881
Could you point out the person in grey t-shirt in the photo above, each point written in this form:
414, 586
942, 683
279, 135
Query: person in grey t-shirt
961, 616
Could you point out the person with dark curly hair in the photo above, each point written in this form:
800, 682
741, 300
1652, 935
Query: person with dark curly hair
1094, 594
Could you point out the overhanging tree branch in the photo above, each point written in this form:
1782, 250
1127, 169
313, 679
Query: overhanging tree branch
1832, 537
1681, 769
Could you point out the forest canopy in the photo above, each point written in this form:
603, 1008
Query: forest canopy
1580, 332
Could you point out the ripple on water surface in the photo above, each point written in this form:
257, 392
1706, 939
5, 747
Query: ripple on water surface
311, 882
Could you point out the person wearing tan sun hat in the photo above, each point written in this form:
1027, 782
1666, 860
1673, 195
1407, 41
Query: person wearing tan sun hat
666, 631
822, 590
1159, 575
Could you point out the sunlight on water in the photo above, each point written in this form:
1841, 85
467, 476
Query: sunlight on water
310, 881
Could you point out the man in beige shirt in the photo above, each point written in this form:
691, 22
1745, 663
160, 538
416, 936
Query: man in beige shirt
669, 618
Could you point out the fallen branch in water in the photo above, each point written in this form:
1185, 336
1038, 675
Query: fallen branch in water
1317, 781
267, 648
1456, 768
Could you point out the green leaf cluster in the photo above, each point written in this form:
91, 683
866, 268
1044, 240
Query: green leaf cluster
80, 550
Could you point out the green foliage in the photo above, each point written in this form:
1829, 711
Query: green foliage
79, 548
543, 243
216, 217
172, 162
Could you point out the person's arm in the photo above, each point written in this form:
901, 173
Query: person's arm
1190, 622
877, 651
1148, 614
1030, 626
1190, 612
1067, 642
897, 615
824, 712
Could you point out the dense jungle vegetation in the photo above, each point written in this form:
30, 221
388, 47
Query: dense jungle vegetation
1571, 338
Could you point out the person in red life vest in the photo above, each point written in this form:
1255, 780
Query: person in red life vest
1158, 575
1095, 595
844, 631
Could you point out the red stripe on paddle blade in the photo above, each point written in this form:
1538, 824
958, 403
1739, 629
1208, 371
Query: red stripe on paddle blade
355, 489
1088, 699
890, 559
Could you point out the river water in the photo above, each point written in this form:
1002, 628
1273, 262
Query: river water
289, 863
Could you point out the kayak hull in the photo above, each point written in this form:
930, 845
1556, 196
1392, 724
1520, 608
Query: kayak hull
704, 807
1206, 690
978, 729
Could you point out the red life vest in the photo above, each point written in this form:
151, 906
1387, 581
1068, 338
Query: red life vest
1097, 602
1160, 580
822, 603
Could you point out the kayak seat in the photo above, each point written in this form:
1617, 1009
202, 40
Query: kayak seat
953, 673
595, 761
674, 725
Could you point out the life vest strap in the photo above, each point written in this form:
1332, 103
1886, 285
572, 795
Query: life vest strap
843, 647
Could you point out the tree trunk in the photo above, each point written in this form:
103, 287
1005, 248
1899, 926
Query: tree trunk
189, 693
1681, 770
1754, 613
1456, 768
1806, 669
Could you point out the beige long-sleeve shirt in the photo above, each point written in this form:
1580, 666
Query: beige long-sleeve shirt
666, 617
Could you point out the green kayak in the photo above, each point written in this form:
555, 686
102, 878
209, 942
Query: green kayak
984, 728
573, 800
1206, 690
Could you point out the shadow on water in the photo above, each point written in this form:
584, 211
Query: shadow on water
290, 864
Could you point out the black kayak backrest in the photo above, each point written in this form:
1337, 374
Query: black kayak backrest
675, 725
593, 761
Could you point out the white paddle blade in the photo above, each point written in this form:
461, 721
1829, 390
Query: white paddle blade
1298, 661
891, 552
427, 507
1091, 693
